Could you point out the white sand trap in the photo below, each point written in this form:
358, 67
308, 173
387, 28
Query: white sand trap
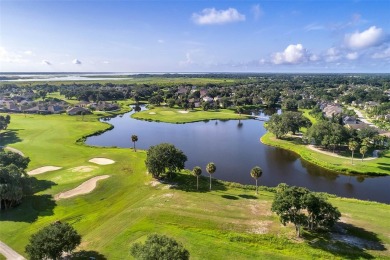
101, 161
43, 170
84, 188
152, 113
183, 112
84, 169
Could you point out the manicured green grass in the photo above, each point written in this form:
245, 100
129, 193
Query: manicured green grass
173, 115
306, 113
379, 166
229, 222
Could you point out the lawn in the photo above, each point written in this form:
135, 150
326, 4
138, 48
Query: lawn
229, 222
173, 115
379, 166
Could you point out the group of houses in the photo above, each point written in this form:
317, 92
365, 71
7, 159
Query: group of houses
26, 104
351, 122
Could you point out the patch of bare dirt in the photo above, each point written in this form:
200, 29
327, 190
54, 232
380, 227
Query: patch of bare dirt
84, 169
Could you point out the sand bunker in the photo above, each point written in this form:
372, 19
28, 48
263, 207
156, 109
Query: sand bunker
43, 170
101, 161
183, 112
152, 113
84, 169
84, 188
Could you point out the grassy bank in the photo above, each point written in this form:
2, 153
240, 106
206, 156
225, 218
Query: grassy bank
229, 222
374, 167
172, 115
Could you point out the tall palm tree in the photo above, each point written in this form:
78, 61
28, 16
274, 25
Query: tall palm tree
352, 145
197, 171
210, 168
256, 173
363, 151
134, 139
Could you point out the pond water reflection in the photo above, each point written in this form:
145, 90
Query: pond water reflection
235, 147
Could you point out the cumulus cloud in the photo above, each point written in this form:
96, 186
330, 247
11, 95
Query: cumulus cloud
257, 11
352, 56
332, 54
187, 61
28, 53
382, 54
368, 38
293, 54
213, 16
76, 61
46, 62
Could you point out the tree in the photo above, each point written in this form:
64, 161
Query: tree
164, 156
320, 212
363, 151
289, 207
42, 94
134, 139
159, 247
256, 173
211, 168
53, 240
14, 182
302, 207
4, 122
197, 171
8, 158
352, 146
274, 125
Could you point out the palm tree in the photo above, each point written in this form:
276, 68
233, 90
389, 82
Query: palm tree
210, 168
134, 139
363, 151
197, 171
352, 145
256, 173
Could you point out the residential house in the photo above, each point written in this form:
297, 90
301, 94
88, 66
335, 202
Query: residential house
332, 110
77, 111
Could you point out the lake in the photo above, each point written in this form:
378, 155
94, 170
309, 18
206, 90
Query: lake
235, 147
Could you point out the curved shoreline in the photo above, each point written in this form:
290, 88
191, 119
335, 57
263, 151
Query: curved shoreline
306, 155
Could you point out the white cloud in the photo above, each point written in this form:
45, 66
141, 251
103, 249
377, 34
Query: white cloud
332, 54
187, 61
314, 57
382, 55
46, 62
8, 57
257, 11
314, 27
106, 62
76, 61
160, 41
293, 54
213, 16
28, 52
352, 56
360, 40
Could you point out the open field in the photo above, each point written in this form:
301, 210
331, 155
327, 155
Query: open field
379, 166
161, 81
172, 115
229, 222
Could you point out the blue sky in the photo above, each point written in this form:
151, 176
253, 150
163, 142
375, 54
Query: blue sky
195, 36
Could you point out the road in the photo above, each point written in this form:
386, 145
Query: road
9, 253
